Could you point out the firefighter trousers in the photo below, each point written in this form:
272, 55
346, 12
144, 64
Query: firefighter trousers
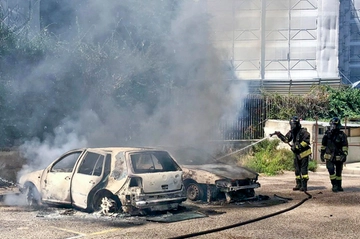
335, 168
301, 167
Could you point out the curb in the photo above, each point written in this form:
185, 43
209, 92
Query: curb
348, 169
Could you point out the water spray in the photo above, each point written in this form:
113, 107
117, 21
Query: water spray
239, 150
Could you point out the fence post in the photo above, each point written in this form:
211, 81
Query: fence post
316, 137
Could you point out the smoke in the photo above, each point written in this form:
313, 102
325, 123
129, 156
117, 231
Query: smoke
42, 153
123, 73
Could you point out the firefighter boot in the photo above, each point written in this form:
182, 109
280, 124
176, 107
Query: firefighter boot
335, 188
340, 189
304, 185
298, 185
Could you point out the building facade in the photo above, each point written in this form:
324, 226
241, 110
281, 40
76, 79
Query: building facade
288, 45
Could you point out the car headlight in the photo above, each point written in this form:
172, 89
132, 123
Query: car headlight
222, 183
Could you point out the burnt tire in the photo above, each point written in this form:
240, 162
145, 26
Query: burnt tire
194, 192
106, 203
33, 197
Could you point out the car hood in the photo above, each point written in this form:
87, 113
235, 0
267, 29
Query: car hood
225, 171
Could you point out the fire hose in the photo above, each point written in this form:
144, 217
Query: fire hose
309, 196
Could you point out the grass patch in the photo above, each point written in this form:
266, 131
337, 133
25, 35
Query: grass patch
268, 159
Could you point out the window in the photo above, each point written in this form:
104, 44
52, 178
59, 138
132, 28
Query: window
120, 170
66, 163
150, 162
92, 164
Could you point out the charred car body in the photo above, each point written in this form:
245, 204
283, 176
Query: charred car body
131, 179
207, 179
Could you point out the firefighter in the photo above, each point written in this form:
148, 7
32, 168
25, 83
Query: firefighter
334, 150
300, 146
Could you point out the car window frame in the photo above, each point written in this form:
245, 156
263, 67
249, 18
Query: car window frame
59, 160
138, 171
100, 155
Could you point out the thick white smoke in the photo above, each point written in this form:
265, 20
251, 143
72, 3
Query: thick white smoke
187, 112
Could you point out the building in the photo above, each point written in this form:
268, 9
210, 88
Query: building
288, 45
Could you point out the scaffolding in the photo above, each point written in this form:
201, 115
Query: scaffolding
288, 45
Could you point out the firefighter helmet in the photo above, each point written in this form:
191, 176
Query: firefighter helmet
335, 124
295, 123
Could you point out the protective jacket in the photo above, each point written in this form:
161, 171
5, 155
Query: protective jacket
301, 142
334, 146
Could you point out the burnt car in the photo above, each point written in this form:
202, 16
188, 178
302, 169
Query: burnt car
127, 179
207, 179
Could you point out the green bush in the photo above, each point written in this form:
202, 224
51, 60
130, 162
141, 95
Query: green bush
322, 102
312, 165
268, 159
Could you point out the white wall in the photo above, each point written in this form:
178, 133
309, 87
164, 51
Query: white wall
354, 149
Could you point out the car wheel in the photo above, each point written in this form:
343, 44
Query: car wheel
32, 195
194, 191
106, 203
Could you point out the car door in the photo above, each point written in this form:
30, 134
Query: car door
88, 174
55, 182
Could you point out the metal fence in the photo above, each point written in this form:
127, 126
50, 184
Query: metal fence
255, 108
249, 123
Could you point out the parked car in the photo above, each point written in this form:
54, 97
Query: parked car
131, 179
207, 179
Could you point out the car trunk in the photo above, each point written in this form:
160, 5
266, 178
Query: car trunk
161, 182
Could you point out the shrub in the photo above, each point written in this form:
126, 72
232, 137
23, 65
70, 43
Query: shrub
322, 102
267, 158
312, 165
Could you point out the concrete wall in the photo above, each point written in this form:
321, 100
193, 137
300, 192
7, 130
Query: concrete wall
354, 149
316, 134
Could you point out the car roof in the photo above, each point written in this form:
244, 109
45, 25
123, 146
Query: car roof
122, 149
